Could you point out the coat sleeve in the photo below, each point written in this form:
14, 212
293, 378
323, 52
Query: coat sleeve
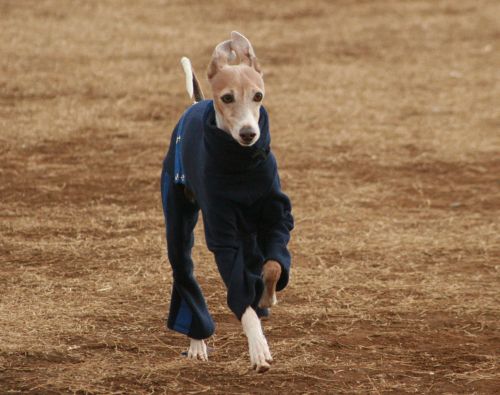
274, 231
244, 285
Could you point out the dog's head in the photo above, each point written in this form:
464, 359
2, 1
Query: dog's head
238, 88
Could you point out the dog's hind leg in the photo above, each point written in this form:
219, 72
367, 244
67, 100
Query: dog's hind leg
188, 311
197, 350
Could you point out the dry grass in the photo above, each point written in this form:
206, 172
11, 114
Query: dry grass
385, 119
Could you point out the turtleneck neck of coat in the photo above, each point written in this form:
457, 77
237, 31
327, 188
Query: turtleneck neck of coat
226, 154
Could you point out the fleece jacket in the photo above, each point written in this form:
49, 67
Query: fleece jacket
247, 218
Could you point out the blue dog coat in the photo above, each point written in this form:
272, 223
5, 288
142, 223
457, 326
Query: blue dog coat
247, 217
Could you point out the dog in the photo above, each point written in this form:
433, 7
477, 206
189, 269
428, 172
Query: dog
219, 162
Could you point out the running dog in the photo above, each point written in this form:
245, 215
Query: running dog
220, 162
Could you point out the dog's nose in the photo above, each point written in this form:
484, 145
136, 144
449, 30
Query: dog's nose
247, 134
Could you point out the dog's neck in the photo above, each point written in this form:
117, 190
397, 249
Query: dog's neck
219, 122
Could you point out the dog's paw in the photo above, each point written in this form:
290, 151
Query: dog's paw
268, 299
260, 356
271, 273
197, 350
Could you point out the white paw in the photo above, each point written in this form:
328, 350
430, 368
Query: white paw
197, 350
260, 356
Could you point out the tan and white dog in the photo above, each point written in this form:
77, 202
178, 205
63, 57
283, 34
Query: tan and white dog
237, 86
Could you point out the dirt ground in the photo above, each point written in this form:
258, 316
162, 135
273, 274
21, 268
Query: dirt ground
385, 117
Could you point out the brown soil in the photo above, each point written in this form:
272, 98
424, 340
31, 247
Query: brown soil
385, 121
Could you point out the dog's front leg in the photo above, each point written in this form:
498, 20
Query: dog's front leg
260, 356
271, 273
197, 350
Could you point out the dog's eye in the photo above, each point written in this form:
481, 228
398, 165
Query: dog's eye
227, 98
258, 97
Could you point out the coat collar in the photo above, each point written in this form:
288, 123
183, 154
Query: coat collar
225, 154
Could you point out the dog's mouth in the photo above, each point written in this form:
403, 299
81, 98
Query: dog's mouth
247, 139
246, 144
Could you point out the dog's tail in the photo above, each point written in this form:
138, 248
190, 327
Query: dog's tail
192, 85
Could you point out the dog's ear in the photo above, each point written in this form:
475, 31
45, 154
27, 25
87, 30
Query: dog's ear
241, 45
223, 54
